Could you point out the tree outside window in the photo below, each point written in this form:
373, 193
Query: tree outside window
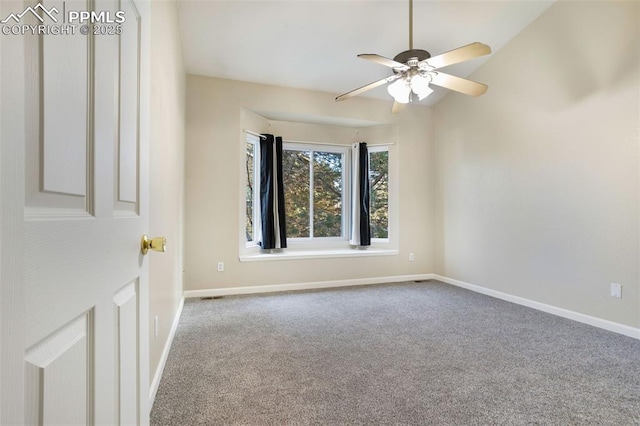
379, 198
313, 186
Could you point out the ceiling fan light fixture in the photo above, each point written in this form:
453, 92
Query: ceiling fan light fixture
420, 86
415, 69
400, 90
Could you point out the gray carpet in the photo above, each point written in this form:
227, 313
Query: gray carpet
401, 354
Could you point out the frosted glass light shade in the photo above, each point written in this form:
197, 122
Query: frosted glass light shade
400, 91
420, 86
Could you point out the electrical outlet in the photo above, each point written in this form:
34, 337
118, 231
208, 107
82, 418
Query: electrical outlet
411, 257
220, 266
156, 329
616, 290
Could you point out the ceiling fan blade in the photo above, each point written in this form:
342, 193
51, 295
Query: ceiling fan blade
367, 87
458, 84
397, 107
460, 54
383, 61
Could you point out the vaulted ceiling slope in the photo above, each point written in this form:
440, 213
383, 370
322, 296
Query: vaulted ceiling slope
312, 44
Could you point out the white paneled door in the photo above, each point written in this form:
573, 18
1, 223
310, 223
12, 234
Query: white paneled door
83, 280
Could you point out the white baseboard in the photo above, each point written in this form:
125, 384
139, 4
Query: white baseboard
565, 313
153, 390
228, 291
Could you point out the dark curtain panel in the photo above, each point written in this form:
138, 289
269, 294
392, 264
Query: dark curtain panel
363, 183
274, 230
360, 216
363, 178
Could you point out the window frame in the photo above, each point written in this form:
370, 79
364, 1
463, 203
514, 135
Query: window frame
345, 208
257, 230
318, 247
382, 148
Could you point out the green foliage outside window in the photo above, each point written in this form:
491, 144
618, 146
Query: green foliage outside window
379, 200
327, 193
295, 171
249, 163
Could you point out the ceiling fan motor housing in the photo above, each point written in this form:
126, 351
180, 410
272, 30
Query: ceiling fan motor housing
413, 54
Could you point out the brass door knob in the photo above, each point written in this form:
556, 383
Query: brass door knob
155, 244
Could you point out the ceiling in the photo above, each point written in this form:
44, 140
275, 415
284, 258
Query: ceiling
312, 44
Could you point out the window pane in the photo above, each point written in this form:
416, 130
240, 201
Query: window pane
327, 194
379, 202
249, 191
295, 170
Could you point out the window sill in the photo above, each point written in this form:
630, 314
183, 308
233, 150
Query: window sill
316, 254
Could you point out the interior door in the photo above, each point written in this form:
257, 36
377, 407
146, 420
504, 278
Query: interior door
84, 283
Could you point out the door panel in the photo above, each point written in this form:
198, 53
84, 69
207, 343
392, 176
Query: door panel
64, 97
129, 105
126, 306
85, 212
59, 374
59, 98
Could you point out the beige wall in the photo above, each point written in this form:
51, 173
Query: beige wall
166, 173
215, 145
537, 181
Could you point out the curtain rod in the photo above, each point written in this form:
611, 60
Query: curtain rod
316, 143
381, 144
254, 134
336, 144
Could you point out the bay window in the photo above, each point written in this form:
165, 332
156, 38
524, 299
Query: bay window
316, 181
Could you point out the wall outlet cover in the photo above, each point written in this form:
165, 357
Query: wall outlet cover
616, 290
156, 330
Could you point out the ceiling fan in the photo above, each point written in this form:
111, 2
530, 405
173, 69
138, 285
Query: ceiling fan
415, 69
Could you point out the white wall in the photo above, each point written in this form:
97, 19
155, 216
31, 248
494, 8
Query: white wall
537, 181
166, 203
215, 144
